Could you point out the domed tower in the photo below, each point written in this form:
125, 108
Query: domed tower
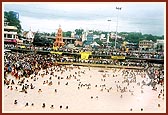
59, 40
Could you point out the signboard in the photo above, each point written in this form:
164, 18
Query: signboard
118, 57
85, 55
55, 47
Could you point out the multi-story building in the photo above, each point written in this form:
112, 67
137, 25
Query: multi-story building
89, 39
84, 36
10, 34
159, 45
146, 44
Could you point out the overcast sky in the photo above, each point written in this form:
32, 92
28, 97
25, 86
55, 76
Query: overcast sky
133, 17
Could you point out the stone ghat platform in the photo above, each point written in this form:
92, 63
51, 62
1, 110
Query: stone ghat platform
99, 65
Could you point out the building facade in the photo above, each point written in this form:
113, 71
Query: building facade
146, 44
159, 45
10, 34
29, 36
89, 39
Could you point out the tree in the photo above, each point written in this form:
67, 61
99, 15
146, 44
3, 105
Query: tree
64, 34
41, 41
12, 20
68, 34
98, 41
79, 31
36, 38
133, 37
96, 32
52, 34
105, 34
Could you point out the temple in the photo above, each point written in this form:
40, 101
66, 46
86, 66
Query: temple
59, 39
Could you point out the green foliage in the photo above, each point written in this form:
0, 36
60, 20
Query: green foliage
67, 34
79, 31
52, 34
135, 37
46, 34
13, 21
41, 41
96, 32
105, 34
64, 34
98, 41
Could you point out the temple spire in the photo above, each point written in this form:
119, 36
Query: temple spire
59, 25
59, 39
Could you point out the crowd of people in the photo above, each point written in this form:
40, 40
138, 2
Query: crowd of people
30, 61
97, 52
156, 74
40, 69
27, 64
24, 65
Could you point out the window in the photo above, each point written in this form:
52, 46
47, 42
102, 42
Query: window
14, 36
9, 35
4, 35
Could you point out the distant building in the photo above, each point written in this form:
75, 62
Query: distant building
132, 46
112, 35
89, 39
160, 42
10, 35
73, 35
159, 45
29, 35
146, 44
84, 36
96, 36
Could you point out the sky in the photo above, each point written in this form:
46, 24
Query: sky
147, 18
